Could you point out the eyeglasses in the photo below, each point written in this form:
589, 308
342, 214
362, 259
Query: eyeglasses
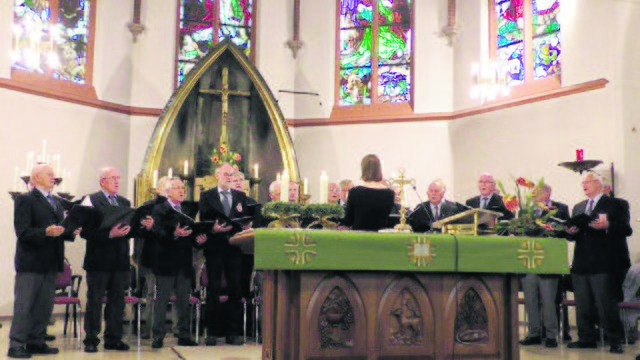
112, 178
486, 181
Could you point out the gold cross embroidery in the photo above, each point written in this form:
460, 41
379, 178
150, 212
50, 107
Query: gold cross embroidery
531, 253
302, 249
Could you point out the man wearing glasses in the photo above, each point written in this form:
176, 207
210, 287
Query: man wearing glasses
106, 262
488, 199
221, 256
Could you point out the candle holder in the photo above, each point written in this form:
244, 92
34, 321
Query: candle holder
26, 180
65, 195
14, 194
254, 183
304, 199
581, 165
402, 181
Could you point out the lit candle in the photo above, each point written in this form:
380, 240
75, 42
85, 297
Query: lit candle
255, 171
16, 179
305, 186
278, 177
56, 162
185, 171
284, 186
579, 154
170, 174
29, 162
43, 155
154, 182
131, 247
324, 187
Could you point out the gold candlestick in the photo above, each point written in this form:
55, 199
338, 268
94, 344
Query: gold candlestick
254, 182
401, 180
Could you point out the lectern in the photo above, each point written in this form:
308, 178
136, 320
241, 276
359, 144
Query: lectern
470, 222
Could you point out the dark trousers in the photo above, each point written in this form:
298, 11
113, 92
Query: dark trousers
164, 287
32, 308
593, 295
229, 260
114, 284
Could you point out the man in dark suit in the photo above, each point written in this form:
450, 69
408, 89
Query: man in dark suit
173, 265
540, 290
593, 263
39, 257
106, 262
488, 199
433, 210
620, 246
221, 256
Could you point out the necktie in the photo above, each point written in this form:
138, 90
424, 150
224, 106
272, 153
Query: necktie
112, 200
589, 207
483, 205
226, 202
436, 213
52, 202
178, 208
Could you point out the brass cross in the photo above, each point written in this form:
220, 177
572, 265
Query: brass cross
224, 95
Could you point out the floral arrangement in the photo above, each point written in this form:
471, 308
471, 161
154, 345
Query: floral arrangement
222, 154
528, 220
323, 212
285, 213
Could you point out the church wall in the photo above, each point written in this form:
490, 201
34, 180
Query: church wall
86, 138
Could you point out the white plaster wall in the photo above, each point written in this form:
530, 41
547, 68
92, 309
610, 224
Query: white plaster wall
86, 138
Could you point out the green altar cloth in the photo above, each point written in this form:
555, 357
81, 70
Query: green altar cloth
297, 249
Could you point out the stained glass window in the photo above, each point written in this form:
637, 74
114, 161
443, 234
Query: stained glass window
206, 22
527, 38
374, 70
51, 38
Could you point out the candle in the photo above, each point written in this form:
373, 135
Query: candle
284, 186
56, 163
16, 179
324, 187
30, 156
65, 175
579, 154
255, 171
131, 247
185, 171
305, 186
43, 155
154, 182
278, 177
170, 174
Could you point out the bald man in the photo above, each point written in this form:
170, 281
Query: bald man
107, 262
39, 257
434, 209
488, 199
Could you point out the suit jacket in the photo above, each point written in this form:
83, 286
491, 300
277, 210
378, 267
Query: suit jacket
144, 246
495, 204
595, 249
170, 254
621, 248
106, 254
563, 210
35, 251
211, 207
421, 221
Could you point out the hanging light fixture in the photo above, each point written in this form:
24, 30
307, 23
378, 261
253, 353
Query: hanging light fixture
490, 80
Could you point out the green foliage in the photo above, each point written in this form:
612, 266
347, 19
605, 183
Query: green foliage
321, 211
281, 209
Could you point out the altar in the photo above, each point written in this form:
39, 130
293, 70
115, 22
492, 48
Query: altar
357, 295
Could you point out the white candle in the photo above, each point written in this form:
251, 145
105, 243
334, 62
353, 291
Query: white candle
305, 185
131, 240
284, 186
56, 162
43, 155
185, 171
65, 175
324, 187
170, 174
278, 177
255, 171
16, 179
154, 182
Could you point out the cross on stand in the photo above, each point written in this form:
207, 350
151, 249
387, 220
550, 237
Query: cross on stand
224, 94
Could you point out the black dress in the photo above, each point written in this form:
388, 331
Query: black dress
368, 208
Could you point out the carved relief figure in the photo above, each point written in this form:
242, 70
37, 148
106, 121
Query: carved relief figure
408, 329
472, 324
336, 321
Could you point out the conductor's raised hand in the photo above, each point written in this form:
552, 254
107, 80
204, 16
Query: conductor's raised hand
219, 228
54, 230
182, 231
119, 230
147, 222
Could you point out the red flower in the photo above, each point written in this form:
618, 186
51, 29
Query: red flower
544, 225
224, 148
511, 202
525, 182
237, 157
215, 159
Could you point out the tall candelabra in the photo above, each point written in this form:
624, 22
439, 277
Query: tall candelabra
402, 181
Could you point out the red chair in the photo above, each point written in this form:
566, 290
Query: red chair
67, 289
195, 302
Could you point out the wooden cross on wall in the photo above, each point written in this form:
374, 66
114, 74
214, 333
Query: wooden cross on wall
224, 94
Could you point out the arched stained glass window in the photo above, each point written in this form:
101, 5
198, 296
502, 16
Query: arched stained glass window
205, 22
374, 52
526, 38
53, 39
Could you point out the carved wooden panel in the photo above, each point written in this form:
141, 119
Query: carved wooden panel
335, 324
405, 321
472, 321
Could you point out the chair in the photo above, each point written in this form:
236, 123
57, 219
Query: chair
204, 281
130, 299
67, 290
624, 306
195, 302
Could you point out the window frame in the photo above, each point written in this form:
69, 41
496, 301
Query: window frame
45, 82
375, 108
216, 28
530, 85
